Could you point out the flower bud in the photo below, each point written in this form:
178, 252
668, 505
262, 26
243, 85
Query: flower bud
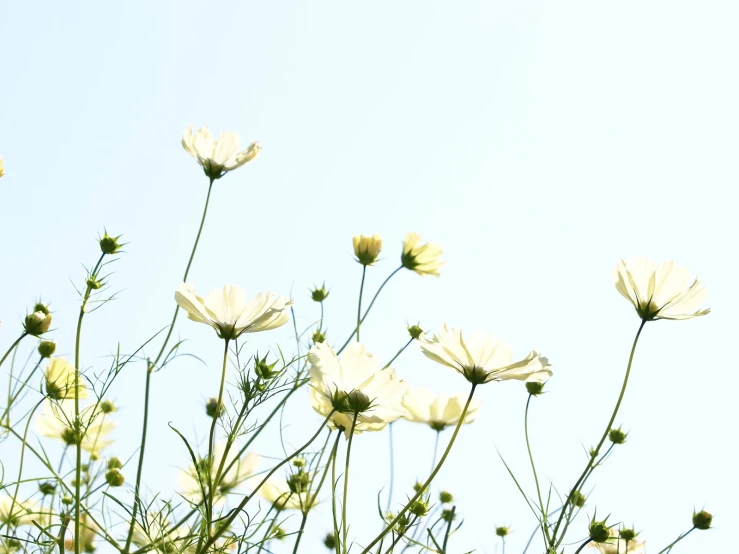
279, 533
578, 499
318, 336
38, 322
417, 486
448, 515
93, 284
114, 477
702, 520
299, 462
110, 245
366, 249
46, 348
210, 408
263, 369
414, 331
114, 463
319, 294
627, 534
599, 531
47, 488
67, 500
502, 531
329, 541
534, 388
617, 436
107, 407
419, 508
446, 497
299, 482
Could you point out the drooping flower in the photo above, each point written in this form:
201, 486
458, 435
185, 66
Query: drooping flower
59, 380
217, 157
659, 291
424, 259
366, 249
616, 545
282, 496
57, 421
227, 310
482, 358
354, 384
193, 481
438, 411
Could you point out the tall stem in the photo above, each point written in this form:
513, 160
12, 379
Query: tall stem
431, 477
677, 540
211, 440
12, 347
407, 344
553, 540
346, 483
436, 449
359, 304
542, 509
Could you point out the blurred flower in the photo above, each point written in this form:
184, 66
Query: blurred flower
88, 535
15, 513
482, 358
114, 477
2, 167
59, 380
241, 470
217, 157
616, 545
226, 310
366, 249
57, 421
353, 384
437, 411
156, 528
424, 259
277, 492
659, 291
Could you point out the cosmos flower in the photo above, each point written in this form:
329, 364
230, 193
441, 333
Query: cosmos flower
57, 421
281, 495
241, 470
438, 411
217, 157
366, 249
424, 259
59, 380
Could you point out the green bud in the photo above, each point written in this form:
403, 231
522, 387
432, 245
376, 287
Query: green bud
352, 403
318, 337
419, 508
299, 462
329, 541
702, 520
279, 533
67, 500
114, 463
414, 331
599, 531
534, 388
41, 307
107, 407
448, 515
417, 486
578, 499
299, 482
502, 531
38, 322
627, 534
47, 488
617, 436
110, 245
446, 497
210, 408
46, 348
263, 369
319, 294
93, 283
114, 477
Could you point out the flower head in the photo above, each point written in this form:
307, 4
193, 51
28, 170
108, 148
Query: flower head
437, 411
37, 322
702, 520
284, 495
424, 259
482, 358
110, 245
354, 385
659, 291
46, 348
59, 380
57, 420
230, 314
217, 157
14, 512
616, 545
192, 486
366, 249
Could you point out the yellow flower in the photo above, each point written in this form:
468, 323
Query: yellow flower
659, 291
366, 249
59, 380
217, 157
437, 411
243, 468
2, 167
354, 384
16, 512
424, 259
228, 312
482, 358
57, 421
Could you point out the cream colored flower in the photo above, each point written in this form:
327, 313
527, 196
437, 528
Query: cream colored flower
366, 249
190, 486
59, 380
57, 421
217, 157
616, 545
354, 384
482, 358
18, 512
277, 492
2, 167
659, 291
424, 259
227, 310
438, 411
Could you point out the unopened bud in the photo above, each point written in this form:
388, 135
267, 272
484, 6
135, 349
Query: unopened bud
318, 337
110, 245
534, 388
599, 531
46, 348
114, 477
210, 407
329, 541
702, 520
38, 322
446, 497
319, 294
627, 534
107, 407
47, 488
114, 463
617, 436
414, 331
502, 531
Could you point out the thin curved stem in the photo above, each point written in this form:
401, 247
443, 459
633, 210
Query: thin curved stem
544, 527
392, 469
346, 483
359, 304
211, 440
16, 342
407, 344
553, 540
677, 540
583, 545
436, 449
423, 488
13, 396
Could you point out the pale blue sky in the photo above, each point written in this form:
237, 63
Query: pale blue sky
538, 142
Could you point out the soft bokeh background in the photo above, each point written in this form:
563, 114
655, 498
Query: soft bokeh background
539, 142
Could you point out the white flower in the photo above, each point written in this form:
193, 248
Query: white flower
616, 545
59, 380
366, 249
15, 513
354, 384
240, 471
481, 357
424, 259
217, 157
659, 291
438, 411
277, 492
228, 312
57, 421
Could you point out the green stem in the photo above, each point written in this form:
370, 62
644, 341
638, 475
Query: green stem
337, 544
544, 527
211, 441
359, 304
431, 477
407, 344
677, 540
553, 540
12, 347
236, 511
13, 396
346, 483
584, 544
